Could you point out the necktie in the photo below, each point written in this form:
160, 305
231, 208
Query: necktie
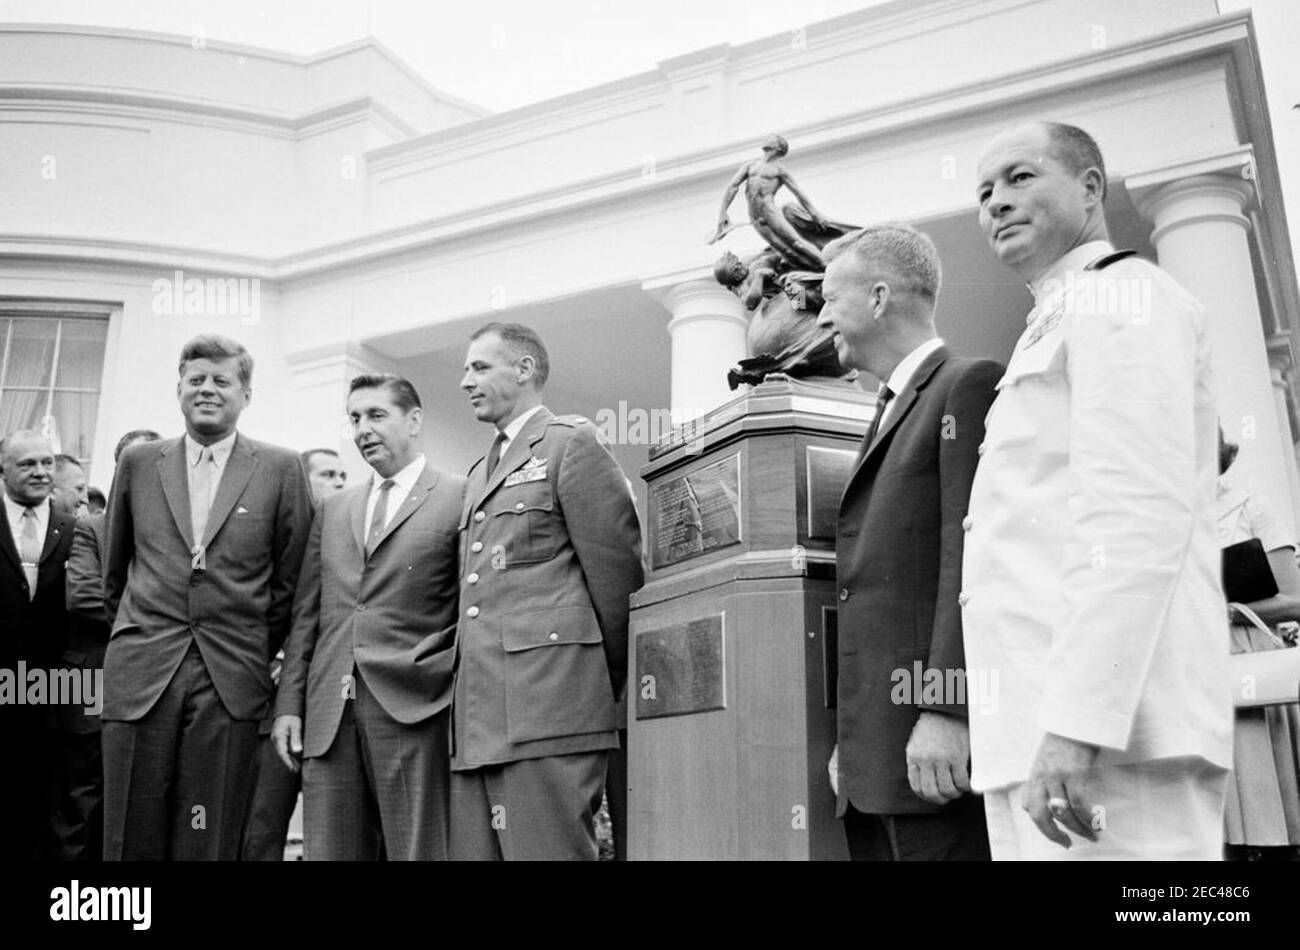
494, 453
29, 550
201, 496
883, 395
380, 516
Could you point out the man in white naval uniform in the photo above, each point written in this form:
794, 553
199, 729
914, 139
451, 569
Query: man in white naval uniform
1091, 567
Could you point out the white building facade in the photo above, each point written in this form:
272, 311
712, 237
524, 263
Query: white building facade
337, 214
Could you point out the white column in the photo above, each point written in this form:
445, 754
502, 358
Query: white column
320, 380
1281, 365
708, 328
1201, 239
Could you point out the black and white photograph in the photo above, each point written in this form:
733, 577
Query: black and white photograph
651, 434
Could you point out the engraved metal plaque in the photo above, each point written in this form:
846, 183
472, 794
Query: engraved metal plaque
680, 669
828, 472
695, 514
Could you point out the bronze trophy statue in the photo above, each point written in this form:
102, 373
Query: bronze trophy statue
781, 285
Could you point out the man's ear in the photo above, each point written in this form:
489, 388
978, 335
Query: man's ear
527, 368
1094, 185
879, 299
248, 395
415, 419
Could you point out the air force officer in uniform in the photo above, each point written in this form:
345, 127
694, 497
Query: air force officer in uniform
550, 552
1091, 569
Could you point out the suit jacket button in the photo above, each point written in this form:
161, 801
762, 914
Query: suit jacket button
979, 449
844, 593
472, 613
519, 506
473, 578
554, 635
479, 516
963, 599
966, 523
476, 546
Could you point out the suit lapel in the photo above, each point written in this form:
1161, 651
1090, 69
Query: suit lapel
903, 403
7, 542
239, 469
58, 524
520, 450
414, 499
359, 517
175, 485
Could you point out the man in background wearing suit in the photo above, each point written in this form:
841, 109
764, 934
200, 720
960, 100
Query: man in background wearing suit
79, 772
205, 538
35, 537
70, 492
1091, 577
275, 794
550, 553
367, 671
903, 758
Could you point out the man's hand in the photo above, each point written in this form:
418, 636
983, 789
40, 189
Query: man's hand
1058, 789
937, 754
286, 733
833, 769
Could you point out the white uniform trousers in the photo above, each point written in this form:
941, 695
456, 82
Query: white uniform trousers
1162, 810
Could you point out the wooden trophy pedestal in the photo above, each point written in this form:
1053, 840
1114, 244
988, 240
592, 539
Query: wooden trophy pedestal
731, 685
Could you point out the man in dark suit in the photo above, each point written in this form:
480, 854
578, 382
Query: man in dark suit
275, 793
34, 540
79, 771
205, 538
550, 553
903, 743
367, 671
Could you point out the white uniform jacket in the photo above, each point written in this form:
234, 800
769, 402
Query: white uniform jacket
1091, 574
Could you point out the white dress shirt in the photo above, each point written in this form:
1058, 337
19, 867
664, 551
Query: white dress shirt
403, 482
14, 512
904, 371
220, 456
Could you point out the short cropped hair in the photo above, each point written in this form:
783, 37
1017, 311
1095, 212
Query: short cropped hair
63, 461
399, 388
897, 250
131, 438
212, 346
95, 500
312, 453
520, 341
1076, 150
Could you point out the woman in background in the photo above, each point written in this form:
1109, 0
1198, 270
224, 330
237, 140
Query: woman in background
1262, 816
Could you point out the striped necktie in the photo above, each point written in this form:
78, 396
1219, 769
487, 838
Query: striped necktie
29, 550
379, 518
883, 395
